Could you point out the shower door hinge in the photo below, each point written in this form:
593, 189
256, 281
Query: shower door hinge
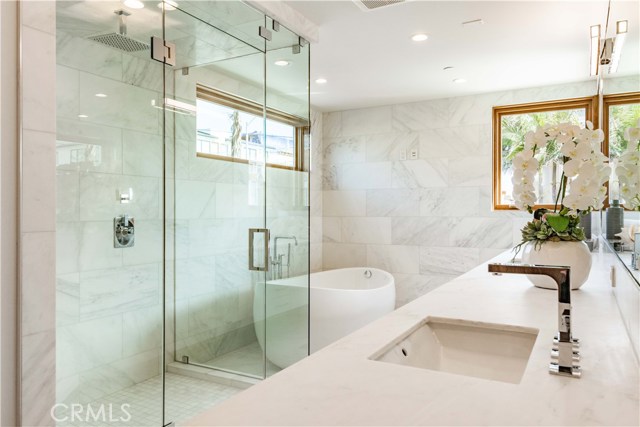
163, 51
264, 33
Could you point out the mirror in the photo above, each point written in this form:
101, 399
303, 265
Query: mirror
621, 116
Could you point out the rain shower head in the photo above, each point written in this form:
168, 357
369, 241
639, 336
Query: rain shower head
120, 40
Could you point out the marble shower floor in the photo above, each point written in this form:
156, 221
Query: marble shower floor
185, 397
247, 359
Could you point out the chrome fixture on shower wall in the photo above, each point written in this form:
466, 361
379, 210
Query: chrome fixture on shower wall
123, 231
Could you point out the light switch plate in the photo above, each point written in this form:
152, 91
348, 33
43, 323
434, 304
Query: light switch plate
413, 154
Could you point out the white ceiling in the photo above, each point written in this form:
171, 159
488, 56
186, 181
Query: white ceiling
369, 59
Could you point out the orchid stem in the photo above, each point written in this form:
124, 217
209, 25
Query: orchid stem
563, 186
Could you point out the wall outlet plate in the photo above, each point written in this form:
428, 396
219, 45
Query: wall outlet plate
413, 154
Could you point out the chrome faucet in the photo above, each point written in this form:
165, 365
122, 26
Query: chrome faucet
564, 353
277, 259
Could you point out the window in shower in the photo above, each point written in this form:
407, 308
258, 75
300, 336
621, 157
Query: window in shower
231, 128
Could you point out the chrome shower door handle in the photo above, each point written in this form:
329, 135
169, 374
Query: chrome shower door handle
252, 266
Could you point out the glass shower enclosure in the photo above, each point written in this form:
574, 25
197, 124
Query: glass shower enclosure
182, 205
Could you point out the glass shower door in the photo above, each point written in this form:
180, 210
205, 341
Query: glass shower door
287, 197
217, 260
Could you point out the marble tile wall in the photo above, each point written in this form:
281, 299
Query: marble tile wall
109, 301
37, 214
429, 219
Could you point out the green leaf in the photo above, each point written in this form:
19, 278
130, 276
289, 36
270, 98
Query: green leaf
558, 222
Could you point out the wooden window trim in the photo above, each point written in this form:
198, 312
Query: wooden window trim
242, 104
590, 104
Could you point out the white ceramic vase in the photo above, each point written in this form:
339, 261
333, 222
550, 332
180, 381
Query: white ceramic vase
574, 254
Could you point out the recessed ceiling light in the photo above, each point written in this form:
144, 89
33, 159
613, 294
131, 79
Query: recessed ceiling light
447, 68
459, 80
321, 81
133, 4
282, 62
82, 116
168, 5
419, 37
101, 95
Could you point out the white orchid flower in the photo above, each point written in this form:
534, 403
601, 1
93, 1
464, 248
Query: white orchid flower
580, 151
526, 163
632, 134
538, 138
572, 167
597, 136
586, 168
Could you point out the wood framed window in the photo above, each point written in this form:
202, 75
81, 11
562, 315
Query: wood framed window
232, 128
511, 123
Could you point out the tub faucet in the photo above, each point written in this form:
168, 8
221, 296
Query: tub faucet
564, 353
277, 260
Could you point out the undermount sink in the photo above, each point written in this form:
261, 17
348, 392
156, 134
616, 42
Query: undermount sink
476, 349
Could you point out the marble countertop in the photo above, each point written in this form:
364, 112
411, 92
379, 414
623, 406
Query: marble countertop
340, 386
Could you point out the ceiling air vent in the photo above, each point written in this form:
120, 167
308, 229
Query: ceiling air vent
376, 4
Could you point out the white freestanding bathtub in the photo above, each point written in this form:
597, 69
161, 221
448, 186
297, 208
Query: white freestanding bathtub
341, 301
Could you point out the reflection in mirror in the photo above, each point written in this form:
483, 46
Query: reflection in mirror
622, 129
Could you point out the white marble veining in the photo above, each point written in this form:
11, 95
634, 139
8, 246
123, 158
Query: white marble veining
340, 386
340, 255
421, 231
37, 105
421, 173
396, 202
470, 171
344, 203
38, 387
38, 314
366, 122
448, 260
420, 115
38, 100
345, 150
366, 230
393, 258
95, 58
38, 209
362, 176
382, 147
442, 199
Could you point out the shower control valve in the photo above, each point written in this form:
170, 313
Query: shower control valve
123, 231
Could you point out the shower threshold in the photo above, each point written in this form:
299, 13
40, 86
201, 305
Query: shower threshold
240, 368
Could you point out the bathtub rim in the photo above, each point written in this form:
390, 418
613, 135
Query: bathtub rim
390, 282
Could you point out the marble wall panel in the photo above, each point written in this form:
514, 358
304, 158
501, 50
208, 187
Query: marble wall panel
439, 205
